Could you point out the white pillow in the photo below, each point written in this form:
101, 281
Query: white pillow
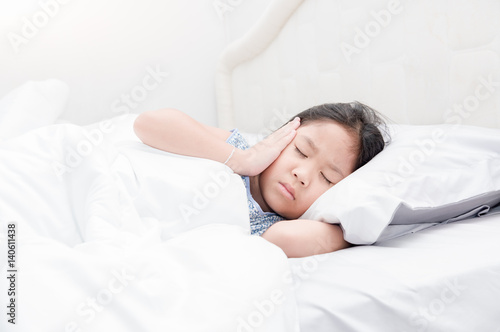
32, 105
426, 175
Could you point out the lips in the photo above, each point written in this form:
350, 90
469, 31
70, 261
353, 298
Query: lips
287, 190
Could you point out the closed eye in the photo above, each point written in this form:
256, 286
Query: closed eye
324, 177
300, 152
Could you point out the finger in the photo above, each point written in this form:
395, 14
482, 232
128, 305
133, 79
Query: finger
283, 142
295, 123
276, 143
285, 130
288, 138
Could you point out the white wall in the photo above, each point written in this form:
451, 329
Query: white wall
106, 50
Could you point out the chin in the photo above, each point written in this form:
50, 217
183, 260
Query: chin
280, 207
287, 215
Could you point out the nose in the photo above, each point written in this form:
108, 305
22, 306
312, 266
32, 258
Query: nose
301, 175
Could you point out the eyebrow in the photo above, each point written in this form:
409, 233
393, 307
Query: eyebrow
315, 149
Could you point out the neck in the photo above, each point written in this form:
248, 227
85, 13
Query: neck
257, 194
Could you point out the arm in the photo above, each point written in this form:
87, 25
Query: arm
173, 131
300, 238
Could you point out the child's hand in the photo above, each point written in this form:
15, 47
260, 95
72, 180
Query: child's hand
256, 159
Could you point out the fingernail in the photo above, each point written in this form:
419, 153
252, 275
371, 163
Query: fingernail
296, 119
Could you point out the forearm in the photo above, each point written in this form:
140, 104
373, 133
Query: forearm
301, 238
173, 131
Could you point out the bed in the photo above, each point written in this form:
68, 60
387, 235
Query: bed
432, 68
97, 245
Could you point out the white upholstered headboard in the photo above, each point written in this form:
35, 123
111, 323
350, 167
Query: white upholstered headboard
417, 62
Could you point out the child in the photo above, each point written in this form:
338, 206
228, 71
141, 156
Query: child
284, 173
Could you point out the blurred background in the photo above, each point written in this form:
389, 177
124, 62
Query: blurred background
121, 56
433, 60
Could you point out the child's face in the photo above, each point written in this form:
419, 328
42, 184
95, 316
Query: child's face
320, 155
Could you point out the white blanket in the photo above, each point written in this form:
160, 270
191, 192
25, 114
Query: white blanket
113, 235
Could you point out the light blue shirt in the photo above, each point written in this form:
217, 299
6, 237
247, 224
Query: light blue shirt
260, 221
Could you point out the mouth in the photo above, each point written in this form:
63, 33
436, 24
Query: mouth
287, 190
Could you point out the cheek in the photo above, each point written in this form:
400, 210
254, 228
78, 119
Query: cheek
317, 192
267, 174
277, 167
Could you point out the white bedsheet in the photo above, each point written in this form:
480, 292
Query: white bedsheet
445, 278
113, 235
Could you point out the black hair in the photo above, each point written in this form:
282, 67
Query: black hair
362, 121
